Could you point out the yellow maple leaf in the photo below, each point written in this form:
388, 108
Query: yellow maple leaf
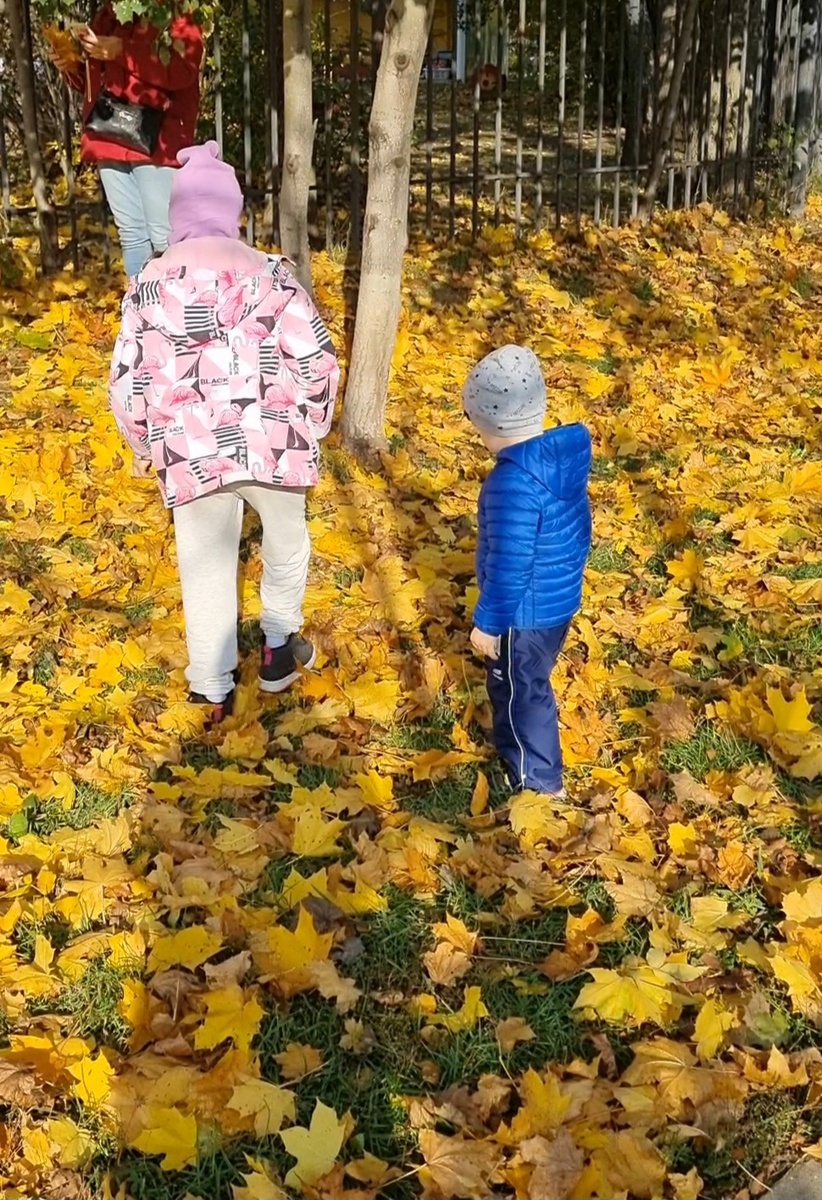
93, 1080
230, 1017
791, 716
315, 1148
633, 993
377, 791
374, 699
186, 948
713, 1021
298, 1060
170, 1133
75, 1145
534, 818
269, 1106
473, 1010
37, 1149
288, 956
262, 1183
683, 840
315, 837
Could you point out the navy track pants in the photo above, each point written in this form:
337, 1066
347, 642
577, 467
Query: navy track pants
526, 730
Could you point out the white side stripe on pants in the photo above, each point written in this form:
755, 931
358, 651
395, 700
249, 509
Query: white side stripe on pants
512, 687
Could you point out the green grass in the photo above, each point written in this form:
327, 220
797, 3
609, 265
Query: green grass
135, 678
139, 610
761, 1145
605, 557
91, 1005
711, 748
435, 733
45, 816
347, 577
44, 664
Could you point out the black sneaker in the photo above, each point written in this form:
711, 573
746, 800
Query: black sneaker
281, 667
219, 712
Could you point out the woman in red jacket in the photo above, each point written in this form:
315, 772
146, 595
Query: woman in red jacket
123, 61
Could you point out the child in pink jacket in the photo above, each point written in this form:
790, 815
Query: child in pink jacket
224, 380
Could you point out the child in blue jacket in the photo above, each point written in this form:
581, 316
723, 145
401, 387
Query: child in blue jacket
533, 541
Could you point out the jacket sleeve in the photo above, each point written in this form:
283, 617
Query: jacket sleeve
308, 355
141, 58
511, 518
124, 392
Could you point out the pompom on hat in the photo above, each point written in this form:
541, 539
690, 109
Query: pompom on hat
206, 200
505, 394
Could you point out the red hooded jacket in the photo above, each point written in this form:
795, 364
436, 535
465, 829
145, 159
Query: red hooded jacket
142, 77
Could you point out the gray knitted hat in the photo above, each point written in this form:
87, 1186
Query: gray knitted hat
505, 393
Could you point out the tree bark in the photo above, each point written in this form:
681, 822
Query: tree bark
407, 27
805, 109
46, 216
298, 137
683, 50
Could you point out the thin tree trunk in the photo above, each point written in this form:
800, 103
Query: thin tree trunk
46, 217
407, 25
298, 139
666, 129
805, 108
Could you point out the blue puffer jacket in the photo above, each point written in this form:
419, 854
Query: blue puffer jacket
534, 533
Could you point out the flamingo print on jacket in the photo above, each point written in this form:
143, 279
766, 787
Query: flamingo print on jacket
222, 376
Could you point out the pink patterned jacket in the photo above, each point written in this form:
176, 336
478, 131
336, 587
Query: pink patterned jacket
223, 371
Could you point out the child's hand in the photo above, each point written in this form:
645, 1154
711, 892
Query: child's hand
141, 468
485, 644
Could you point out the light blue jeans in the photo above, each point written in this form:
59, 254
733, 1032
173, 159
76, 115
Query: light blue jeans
138, 197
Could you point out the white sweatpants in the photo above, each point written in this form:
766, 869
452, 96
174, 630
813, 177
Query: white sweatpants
207, 532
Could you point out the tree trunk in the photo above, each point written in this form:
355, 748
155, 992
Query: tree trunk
407, 26
298, 137
683, 50
805, 109
46, 217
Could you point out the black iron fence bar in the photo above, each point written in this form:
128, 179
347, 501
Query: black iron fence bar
541, 52
563, 50
69, 153
603, 9
520, 86
274, 56
498, 112
476, 119
635, 149
452, 159
723, 103
796, 54
743, 93
247, 161
583, 56
688, 180
618, 136
429, 129
757, 94
356, 157
219, 129
5, 182
328, 114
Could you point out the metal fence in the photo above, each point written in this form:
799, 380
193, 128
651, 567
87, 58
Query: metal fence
529, 112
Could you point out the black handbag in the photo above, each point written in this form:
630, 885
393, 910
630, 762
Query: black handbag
135, 126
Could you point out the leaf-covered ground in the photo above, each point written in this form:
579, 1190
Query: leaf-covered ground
319, 950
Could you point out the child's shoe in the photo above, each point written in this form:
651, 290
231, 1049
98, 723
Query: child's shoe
280, 666
219, 712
